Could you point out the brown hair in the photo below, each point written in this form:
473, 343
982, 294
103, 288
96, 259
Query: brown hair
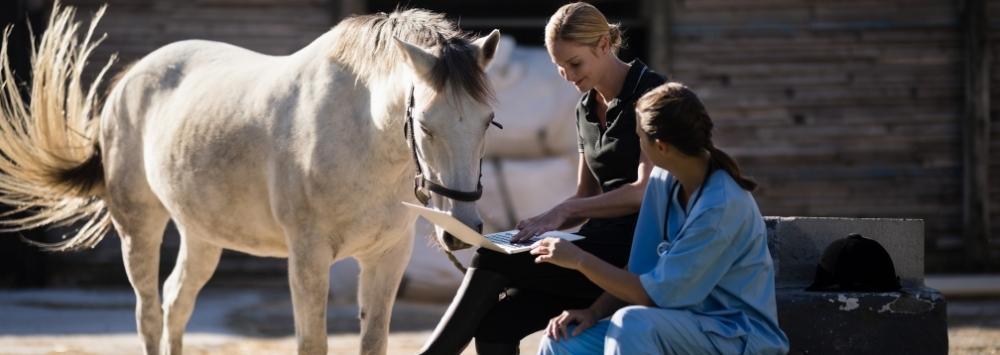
672, 113
582, 23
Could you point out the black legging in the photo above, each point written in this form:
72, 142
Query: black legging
539, 292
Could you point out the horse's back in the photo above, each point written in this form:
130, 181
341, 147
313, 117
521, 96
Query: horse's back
256, 141
186, 114
155, 79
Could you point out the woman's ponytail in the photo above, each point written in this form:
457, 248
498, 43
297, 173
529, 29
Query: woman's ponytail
615, 37
725, 162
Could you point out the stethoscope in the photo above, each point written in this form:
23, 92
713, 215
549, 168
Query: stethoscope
664, 246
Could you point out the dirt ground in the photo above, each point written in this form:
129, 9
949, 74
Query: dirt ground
225, 321
228, 321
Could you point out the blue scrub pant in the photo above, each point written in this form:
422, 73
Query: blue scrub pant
645, 330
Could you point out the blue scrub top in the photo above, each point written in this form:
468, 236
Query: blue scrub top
717, 265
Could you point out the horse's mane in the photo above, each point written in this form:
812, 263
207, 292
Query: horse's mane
364, 44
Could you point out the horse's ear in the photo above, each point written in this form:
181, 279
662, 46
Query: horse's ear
419, 60
486, 47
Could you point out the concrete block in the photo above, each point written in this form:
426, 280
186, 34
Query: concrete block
797, 243
913, 321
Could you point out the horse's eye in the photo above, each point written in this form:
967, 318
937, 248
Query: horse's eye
426, 131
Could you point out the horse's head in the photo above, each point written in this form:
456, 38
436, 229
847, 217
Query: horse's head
448, 116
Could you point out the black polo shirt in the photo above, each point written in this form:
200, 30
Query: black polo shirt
613, 153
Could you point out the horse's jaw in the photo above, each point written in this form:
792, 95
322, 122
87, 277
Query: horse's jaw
464, 212
448, 241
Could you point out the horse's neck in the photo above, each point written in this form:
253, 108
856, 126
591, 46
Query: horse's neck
384, 115
388, 101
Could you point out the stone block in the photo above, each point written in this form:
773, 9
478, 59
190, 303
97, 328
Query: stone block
913, 321
796, 244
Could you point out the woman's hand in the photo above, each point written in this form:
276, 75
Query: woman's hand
560, 252
584, 318
534, 226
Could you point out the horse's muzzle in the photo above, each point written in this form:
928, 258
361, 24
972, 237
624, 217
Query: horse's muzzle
453, 243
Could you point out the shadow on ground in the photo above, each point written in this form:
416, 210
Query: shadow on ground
272, 317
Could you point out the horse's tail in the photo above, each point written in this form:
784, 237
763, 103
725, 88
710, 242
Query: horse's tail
51, 171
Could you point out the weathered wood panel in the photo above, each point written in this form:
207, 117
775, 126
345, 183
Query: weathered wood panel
993, 16
135, 28
844, 108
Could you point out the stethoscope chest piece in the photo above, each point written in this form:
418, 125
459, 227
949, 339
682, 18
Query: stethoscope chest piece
662, 248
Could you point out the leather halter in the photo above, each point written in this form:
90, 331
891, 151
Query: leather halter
422, 186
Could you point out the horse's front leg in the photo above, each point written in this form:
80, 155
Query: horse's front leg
309, 262
381, 272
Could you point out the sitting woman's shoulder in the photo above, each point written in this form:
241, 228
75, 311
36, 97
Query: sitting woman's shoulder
659, 173
723, 192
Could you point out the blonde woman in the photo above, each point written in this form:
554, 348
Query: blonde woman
611, 180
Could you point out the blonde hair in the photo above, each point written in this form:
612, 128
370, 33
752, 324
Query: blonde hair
582, 23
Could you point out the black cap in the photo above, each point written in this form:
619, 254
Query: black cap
855, 263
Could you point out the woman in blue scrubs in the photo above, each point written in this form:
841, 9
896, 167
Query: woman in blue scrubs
700, 278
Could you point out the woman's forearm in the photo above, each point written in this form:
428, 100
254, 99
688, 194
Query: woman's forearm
617, 282
606, 305
578, 209
616, 203
590, 203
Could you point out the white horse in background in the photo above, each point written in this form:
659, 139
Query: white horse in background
301, 156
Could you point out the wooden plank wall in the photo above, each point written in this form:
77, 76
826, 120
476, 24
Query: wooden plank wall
137, 27
993, 11
846, 108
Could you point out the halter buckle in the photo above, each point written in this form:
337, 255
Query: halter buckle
420, 190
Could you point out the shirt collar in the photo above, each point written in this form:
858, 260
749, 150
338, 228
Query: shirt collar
631, 85
635, 72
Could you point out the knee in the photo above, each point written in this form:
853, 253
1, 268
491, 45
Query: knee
632, 317
547, 346
630, 328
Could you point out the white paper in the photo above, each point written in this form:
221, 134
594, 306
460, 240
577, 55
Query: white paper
471, 237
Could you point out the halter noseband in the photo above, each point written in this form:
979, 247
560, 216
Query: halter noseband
423, 187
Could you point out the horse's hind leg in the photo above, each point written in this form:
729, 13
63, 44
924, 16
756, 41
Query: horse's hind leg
379, 282
196, 262
141, 233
